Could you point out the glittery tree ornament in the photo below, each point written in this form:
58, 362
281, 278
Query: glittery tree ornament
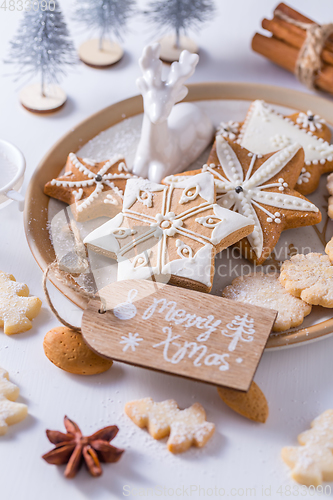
42, 46
178, 16
108, 18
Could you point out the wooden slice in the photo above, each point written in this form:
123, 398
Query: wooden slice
32, 99
91, 54
170, 52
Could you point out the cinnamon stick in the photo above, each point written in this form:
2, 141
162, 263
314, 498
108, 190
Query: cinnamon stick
294, 14
286, 56
294, 36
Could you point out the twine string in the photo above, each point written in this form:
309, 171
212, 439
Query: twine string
309, 58
66, 278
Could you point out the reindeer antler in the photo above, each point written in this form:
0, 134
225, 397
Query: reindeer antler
180, 72
151, 67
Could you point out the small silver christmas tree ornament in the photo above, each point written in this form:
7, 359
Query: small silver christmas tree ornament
42, 46
108, 18
178, 16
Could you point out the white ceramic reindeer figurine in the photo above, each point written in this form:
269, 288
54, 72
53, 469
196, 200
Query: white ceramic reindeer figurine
172, 137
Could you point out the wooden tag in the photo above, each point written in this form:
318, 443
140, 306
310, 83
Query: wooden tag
178, 331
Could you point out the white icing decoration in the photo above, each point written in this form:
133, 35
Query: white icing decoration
99, 180
304, 176
279, 141
127, 310
78, 194
132, 341
228, 129
240, 330
172, 136
310, 121
158, 227
263, 123
252, 189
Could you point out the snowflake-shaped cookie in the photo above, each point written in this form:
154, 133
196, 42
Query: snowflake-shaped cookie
265, 290
93, 189
310, 121
309, 277
263, 128
312, 462
228, 129
17, 309
261, 188
171, 232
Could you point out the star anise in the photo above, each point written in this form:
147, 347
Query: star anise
73, 448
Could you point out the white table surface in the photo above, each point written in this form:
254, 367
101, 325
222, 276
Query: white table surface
243, 458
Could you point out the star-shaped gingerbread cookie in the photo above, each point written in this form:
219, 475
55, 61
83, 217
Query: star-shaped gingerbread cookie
264, 130
169, 233
261, 187
92, 189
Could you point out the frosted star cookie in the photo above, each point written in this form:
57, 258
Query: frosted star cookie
330, 199
10, 412
17, 309
309, 277
312, 462
185, 428
265, 290
260, 187
265, 130
170, 232
92, 189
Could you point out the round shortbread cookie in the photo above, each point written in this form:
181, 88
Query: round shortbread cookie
265, 290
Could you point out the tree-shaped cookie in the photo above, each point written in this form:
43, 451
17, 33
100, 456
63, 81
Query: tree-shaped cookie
17, 309
312, 462
265, 130
10, 412
185, 428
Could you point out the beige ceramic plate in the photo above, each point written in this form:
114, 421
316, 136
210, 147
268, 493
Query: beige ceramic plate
36, 211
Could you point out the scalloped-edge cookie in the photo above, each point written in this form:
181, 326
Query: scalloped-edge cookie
312, 462
309, 277
330, 199
265, 290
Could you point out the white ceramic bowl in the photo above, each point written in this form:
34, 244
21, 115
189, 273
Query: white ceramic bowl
12, 168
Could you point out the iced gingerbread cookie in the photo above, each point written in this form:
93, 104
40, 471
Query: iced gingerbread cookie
92, 189
228, 130
251, 404
330, 199
185, 428
10, 412
265, 131
170, 232
260, 187
67, 350
312, 462
265, 290
309, 277
17, 309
